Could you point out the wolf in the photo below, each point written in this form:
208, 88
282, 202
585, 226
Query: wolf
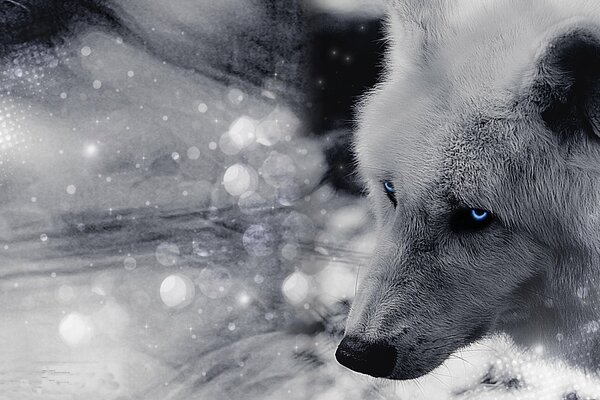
480, 152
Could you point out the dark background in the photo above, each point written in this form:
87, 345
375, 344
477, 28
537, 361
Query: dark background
345, 55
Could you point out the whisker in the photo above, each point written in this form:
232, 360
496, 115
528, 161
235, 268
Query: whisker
356, 282
16, 3
433, 375
461, 358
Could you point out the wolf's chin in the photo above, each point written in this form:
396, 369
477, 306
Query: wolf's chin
410, 373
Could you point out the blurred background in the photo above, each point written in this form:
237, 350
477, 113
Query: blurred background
179, 215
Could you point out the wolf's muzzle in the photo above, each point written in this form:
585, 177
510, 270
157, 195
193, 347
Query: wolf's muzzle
377, 359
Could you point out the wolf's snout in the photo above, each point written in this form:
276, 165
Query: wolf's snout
377, 359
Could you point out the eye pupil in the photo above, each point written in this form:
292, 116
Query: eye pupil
470, 220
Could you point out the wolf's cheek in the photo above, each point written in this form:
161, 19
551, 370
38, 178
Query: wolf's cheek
425, 305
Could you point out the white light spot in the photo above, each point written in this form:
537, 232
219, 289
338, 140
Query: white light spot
202, 108
71, 189
539, 349
244, 299
130, 74
75, 330
239, 179
337, 281
242, 132
177, 291
97, 84
212, 145
86, 51
268, 132
175, 156
90, 150
295, 288
43, 237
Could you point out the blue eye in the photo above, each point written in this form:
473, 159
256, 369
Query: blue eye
390, 191
479, 215
389, 187
470, 219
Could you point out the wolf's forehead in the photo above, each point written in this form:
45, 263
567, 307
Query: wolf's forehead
401, 127
427, 138
445, 119
440, 99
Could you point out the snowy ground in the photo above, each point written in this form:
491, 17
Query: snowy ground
164, 235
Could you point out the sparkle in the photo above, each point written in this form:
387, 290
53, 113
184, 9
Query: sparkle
90, 150
244, 299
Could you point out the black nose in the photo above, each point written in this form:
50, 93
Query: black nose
373, 358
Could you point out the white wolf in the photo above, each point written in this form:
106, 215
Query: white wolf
481, 153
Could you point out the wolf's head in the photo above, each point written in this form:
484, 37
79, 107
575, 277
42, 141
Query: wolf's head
481, 155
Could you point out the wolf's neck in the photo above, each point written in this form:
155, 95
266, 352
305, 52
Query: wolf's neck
561, 318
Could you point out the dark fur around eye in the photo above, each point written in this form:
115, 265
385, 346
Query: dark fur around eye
470, 220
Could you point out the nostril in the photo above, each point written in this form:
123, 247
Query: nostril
373, 358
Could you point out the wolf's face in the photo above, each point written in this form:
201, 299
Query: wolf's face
478, 153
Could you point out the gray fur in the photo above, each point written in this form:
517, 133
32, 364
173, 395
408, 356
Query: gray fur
491, 117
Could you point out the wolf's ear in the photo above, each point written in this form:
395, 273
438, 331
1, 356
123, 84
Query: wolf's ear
414, 27
424, 14
567, 80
